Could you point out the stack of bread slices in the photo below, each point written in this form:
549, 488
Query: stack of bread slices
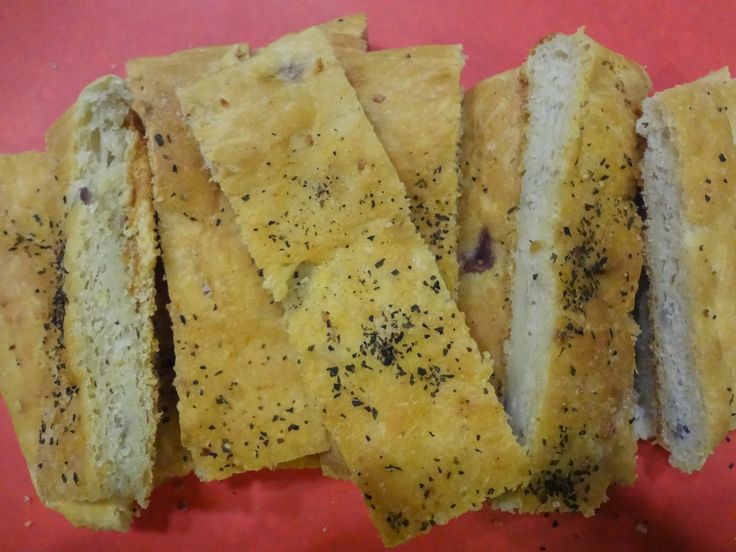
312, 255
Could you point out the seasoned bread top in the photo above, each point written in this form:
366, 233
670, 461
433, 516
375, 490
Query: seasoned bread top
287, 72
417, 119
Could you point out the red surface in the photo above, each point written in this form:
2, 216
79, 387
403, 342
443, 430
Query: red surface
50, 50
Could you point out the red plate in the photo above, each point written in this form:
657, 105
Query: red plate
50, 50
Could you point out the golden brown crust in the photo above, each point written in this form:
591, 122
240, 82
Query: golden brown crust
403, 387
417, 119
583, 439
700, 118
241, 402
490, 165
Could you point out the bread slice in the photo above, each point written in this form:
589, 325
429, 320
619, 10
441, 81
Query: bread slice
570, 354
689, 169
490, 175
402, 387
240, 390
412, 97
98, 419
30, 218
417, 119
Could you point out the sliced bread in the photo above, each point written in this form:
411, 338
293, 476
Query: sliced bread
98, 419
688, 172
570, 354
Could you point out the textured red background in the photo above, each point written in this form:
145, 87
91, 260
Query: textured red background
50, 50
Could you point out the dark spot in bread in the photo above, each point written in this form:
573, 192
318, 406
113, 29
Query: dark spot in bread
85, 195
291, 72
482, 257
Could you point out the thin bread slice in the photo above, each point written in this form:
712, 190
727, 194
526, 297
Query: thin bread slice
326, 218
570, 354
417, 119
490, 174
240, 390
30, 220
99, 418
688, 170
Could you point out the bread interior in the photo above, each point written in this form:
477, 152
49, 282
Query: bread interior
552, 70
111, 323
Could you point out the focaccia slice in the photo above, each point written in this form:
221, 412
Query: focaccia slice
688, 172
570, 354
417, 120
403, 389
29, 242
490, 175
412, 97
242, 402
98, 419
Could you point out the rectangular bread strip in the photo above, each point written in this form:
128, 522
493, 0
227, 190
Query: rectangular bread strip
30, 219
417, 119
242, 402
689, 169
412, 97
490, 174
403, 388
99, 402
570, 354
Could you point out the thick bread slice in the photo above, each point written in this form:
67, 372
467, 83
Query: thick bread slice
570, 354
242, 402
99, 413
403, 389
30, 220
490, 174
412, 97
689, 169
